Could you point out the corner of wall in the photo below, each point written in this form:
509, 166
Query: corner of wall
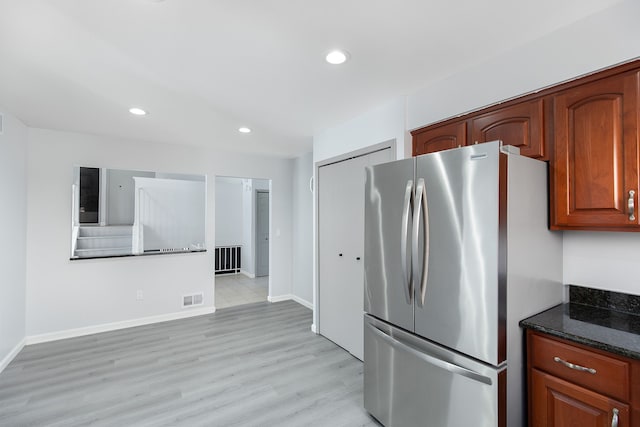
13, 226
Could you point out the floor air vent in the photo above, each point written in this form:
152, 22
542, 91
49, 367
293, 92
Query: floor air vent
193, 299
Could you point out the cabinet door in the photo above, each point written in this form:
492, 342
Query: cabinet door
521, 125
558, 403
595, 165
439, 138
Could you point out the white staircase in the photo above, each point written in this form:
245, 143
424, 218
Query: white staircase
100, 241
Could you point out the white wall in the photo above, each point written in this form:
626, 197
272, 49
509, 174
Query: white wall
229, 211
303, 228
599, 41
13, 226
120, 195
63, 294
377, 125
602, 260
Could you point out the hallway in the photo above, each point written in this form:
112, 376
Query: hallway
239, 289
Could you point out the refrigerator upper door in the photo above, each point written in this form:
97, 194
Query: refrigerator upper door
388, 291
458, 304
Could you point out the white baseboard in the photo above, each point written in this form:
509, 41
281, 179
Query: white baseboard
287, 297
279, 298
303, 302
12, 354
106, 327
249, 275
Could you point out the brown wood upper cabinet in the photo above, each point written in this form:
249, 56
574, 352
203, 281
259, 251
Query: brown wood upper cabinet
594, 177
438, 138
521, 125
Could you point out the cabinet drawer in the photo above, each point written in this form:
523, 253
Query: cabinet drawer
609, 376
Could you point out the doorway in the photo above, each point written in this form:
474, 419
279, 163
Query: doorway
242, 241
89, 195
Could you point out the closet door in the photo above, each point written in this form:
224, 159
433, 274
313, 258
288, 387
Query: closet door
341, 248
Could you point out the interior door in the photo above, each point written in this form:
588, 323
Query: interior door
341, 250
457, 306
262, 233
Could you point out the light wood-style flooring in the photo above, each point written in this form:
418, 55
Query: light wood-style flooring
238, 289
251, 365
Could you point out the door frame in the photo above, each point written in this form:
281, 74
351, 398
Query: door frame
391, 144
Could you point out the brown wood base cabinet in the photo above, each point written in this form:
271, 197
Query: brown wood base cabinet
572, 385
558, 403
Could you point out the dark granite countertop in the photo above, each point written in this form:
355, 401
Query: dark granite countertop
598, 323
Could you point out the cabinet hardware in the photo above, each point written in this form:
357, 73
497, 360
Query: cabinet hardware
632, 207
357, 258
614, 418
339, 254
574, 366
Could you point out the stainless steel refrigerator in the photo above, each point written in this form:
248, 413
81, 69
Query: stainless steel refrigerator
457, 251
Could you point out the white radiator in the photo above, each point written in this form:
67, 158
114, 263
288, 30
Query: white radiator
228, 259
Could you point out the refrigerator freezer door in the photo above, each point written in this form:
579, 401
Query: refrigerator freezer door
458, 304
411, 382
388, 291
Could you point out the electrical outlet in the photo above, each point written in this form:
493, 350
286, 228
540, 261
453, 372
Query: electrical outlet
139, 295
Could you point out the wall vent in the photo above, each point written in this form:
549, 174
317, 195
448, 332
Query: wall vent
192, 300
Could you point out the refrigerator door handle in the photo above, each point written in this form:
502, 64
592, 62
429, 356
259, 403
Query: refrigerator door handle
448, 366
420, 206
406, 271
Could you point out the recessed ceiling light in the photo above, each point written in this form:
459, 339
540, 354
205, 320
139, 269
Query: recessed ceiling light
244, 130
337, 57
137, 111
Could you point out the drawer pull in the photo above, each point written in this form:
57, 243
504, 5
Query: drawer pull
574, 366
614, 419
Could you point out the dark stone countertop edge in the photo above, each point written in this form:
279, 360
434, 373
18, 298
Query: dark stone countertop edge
192, 251
530, 323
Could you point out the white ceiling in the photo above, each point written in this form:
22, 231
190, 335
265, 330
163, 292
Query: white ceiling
202, 68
